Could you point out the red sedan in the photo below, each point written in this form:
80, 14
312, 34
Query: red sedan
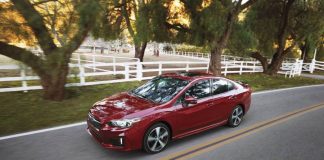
168, 107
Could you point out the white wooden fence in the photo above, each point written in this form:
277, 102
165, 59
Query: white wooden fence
205, 56
292, 69
92, 69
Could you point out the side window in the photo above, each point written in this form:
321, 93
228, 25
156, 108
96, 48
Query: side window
180, 100
199, 90
231, 86
219, 86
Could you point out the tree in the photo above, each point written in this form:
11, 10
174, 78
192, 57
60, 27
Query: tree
142, 19
210, 24
58, 17
52, 65
280, 25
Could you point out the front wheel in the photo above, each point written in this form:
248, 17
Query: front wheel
156, 138
236, 117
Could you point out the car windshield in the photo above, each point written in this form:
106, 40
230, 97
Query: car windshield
160, 89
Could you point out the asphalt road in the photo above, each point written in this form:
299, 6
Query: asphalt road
300, 137
312, 76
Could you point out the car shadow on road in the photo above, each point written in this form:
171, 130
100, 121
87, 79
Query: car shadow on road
173, 147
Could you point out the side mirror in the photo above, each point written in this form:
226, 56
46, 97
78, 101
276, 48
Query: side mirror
190, 100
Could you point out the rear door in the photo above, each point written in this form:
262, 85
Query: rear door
222, 100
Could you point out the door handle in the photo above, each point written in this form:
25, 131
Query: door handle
210, 104
232, 97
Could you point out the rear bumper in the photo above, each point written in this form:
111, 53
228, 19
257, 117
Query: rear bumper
122, 140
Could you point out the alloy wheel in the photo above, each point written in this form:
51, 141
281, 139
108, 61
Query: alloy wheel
237, 116
157, 138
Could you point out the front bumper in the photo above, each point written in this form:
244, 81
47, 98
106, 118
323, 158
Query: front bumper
117, 139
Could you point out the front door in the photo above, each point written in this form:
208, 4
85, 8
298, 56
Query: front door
193, 116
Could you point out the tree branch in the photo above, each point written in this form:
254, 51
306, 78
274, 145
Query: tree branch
282, 33
43, 1
177, 27
36, 23
22, 55
262, 59
82, 33
126, 16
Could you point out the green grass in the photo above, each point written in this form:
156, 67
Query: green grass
318, 72
20, 112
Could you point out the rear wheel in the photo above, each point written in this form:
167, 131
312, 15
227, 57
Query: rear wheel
156, 138
236, 117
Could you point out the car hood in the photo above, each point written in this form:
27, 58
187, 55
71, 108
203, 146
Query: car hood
119, 106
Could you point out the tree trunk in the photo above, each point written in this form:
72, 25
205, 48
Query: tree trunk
275, 64
302, 49
140, 51
215, 66
263, 60
54, 83
282, 36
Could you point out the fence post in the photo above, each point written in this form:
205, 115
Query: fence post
312, 66
114, 65
93, 62
79, 59
254, 63
139, 71
300, 67
225, 69
187, 66
23, 76
160, 68
241, 68
81, 74
126, 71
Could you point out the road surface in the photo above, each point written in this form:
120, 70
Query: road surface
298, 137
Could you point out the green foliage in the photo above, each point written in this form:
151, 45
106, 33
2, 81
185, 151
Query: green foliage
146, 20
305, 23
242, 40
206, 22
108, 22
192, 48
263, 19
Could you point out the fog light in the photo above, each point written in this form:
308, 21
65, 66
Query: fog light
118, 141
121, 141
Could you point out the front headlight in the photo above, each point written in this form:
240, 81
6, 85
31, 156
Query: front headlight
124, 123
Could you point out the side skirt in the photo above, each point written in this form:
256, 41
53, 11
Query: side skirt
200, 130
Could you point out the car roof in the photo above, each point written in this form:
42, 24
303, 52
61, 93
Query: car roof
189, 76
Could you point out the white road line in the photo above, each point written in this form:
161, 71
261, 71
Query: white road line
286, 89
83, 123
42, 130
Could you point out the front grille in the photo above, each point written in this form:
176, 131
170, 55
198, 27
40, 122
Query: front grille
93, 121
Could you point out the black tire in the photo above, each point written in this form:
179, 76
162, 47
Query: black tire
236, 116
150, 138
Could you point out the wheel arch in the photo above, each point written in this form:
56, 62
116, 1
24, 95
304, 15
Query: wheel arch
243, 107
163, 122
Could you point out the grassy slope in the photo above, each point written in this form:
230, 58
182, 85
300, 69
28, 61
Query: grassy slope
21, 112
